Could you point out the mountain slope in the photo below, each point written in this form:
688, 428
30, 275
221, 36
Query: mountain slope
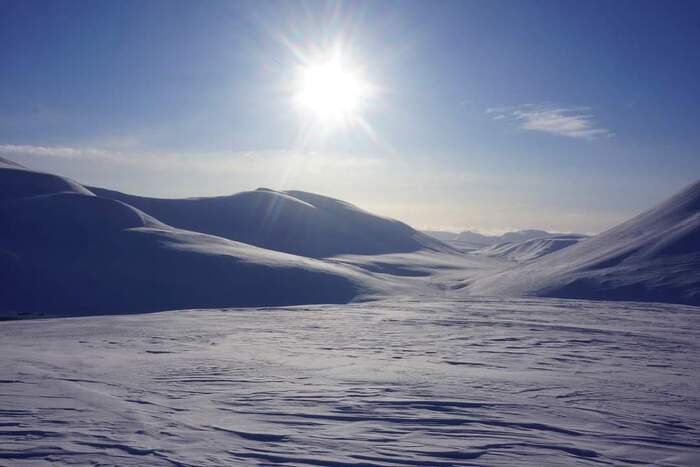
65, 251
293, 221
652, 257
532, 249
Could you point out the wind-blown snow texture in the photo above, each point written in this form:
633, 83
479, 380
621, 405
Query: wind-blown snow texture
478, 382
652, 257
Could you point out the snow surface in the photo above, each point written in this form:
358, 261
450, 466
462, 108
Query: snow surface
429, 383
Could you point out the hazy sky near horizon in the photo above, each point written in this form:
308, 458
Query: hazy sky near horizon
490, 115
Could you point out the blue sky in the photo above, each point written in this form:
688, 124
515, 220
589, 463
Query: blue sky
564, 115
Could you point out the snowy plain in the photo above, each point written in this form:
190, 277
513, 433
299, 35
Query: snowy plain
479, 381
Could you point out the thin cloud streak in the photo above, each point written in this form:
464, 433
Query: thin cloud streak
570, 122
218, 161
55, 151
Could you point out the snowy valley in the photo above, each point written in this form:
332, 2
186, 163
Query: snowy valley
285, 327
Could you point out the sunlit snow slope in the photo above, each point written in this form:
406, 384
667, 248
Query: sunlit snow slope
529, 250
653, 257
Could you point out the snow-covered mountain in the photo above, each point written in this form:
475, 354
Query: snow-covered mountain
652, 257
468, 239
70, 249
295, 222
530, 250
441, 235
524, 235
64, 250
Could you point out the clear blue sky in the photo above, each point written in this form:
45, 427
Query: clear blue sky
495, 115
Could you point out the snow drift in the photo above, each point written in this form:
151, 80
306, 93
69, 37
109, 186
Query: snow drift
64, 250
652, 257
291, 221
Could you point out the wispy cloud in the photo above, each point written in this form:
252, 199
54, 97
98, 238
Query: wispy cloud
571, 122
215, 161
54, 151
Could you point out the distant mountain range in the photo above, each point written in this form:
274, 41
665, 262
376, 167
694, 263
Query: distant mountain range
474, 240
68, 249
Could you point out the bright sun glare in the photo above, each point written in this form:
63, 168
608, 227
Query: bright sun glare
332, 90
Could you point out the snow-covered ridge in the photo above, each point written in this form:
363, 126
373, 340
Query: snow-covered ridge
295, 222
17, 182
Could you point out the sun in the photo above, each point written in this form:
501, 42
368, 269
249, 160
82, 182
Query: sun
332, 90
